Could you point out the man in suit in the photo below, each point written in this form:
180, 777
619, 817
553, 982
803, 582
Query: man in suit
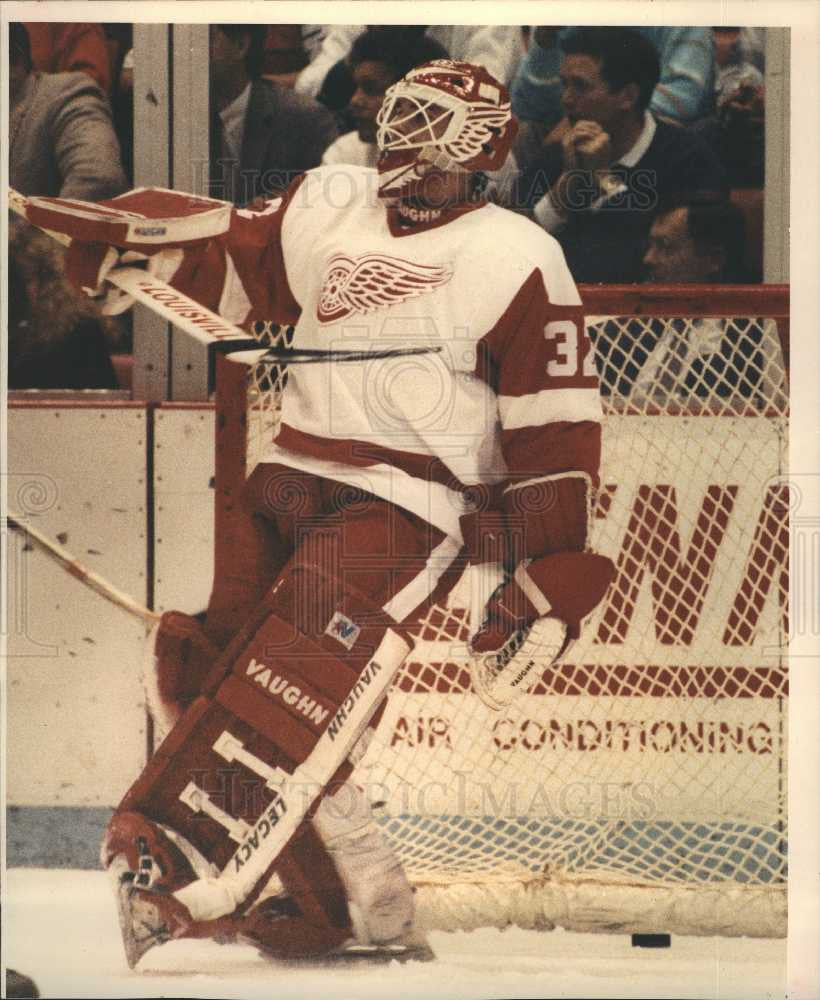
262, 134
61, 138
694, 239
615, 162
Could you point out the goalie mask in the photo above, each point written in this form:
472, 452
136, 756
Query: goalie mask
444, 115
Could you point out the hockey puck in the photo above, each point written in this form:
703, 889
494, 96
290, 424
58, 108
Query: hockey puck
651, 940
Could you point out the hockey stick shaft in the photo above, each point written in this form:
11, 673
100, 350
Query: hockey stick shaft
76, 569
203, 324
308, 355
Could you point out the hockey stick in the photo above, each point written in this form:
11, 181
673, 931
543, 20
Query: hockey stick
73, 566
204, 325
311, 355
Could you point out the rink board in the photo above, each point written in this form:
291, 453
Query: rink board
79, 471
76, 716
183, 507
82, 473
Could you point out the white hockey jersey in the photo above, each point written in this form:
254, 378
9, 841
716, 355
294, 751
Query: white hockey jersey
512, 391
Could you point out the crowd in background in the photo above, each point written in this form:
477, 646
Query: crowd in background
641, 150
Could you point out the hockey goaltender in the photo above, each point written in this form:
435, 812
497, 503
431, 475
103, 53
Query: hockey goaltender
374, 496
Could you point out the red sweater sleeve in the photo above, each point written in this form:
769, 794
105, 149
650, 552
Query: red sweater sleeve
241, 274
539, 360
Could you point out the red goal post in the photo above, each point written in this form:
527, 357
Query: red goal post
641, 785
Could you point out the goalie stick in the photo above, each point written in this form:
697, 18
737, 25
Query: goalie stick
206, 326
73, 566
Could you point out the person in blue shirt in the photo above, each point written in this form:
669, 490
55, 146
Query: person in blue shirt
684, 93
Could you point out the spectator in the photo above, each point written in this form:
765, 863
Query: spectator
736, 129
695, 240
683, 92
262, 134
615, 161
57, 338
692, 240
64, 47
535, 91
62, 141
496, 47
288, 49
284, 56
122, 107
379, 57
739, 45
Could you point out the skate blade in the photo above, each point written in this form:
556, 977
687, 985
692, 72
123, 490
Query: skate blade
354, 953
381, 954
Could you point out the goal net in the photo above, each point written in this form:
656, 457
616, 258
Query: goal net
640, 786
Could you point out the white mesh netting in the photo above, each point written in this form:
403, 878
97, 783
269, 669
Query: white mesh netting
641, 784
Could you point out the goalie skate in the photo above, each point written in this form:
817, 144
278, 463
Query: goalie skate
269, 924
142, 922
146, 866
502, 675
149, 917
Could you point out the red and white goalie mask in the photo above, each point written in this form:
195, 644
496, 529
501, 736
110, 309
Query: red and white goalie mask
446, 116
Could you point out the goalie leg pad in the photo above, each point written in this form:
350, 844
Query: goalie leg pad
379, 894
243, 766
312, 918
347, 894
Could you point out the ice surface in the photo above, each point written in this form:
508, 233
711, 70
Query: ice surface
60, 928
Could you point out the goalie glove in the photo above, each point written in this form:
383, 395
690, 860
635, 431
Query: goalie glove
531, 619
